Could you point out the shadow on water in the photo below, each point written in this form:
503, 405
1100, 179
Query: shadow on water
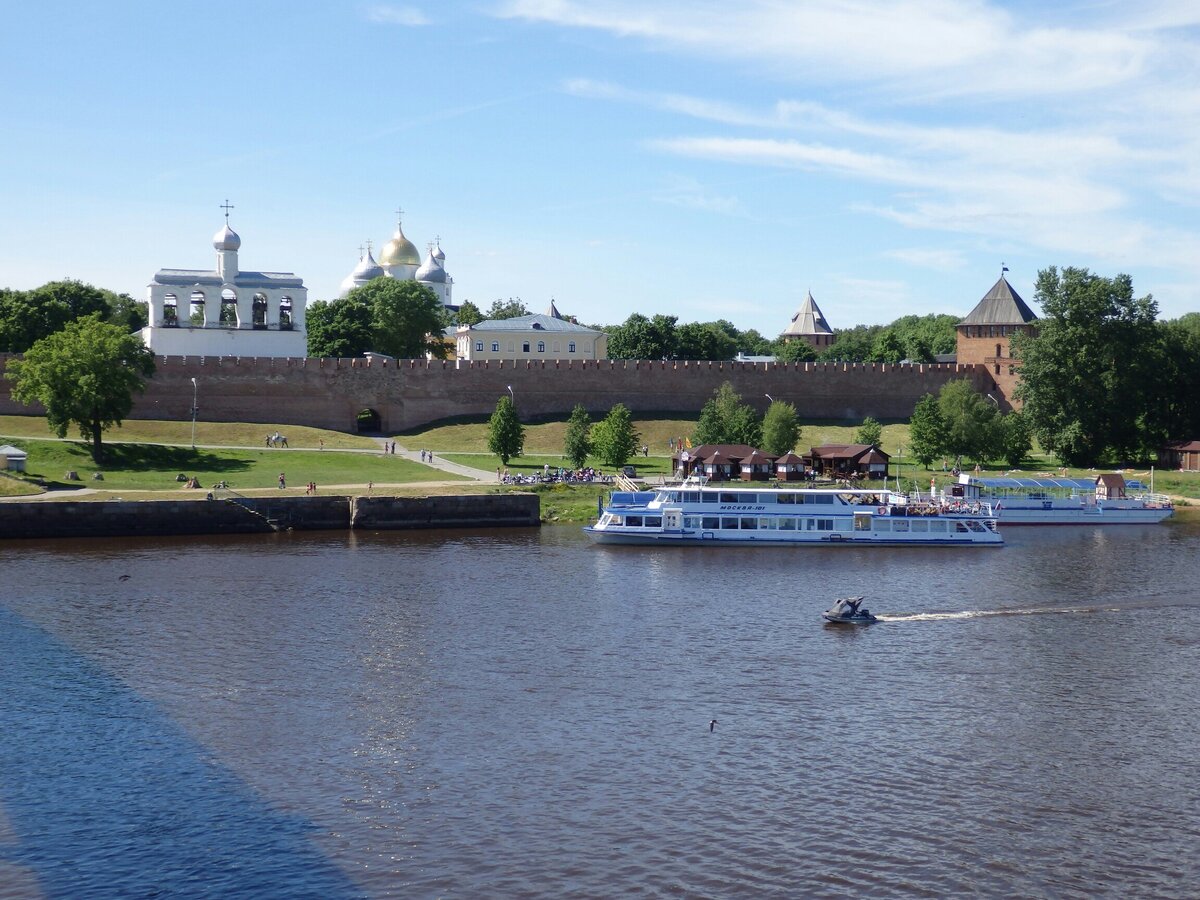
72, 742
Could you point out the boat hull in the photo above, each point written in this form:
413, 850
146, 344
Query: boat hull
685, 539
856, 620
1016, 515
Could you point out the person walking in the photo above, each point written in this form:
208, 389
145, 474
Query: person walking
282, 481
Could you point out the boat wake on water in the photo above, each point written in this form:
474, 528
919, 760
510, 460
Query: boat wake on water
983, 613
1121, 606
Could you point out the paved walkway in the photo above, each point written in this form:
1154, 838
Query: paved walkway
438, 463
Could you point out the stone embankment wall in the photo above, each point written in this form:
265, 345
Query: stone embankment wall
329, 393
257, 515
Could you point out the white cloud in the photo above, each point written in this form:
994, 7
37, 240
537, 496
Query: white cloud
925, 47
691, 194
938, 259
408, 16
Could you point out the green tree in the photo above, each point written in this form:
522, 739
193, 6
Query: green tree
506, 309
506, 434
1092, 378
1181, 348
577, 444
123, 310
869, 433
643, 338
703, 340
339, 329
887, 347
926, 431
407, 318
726, 420
751, 343
969, 420
28, 316
780, 428
795, 351
468, 314
84, 375
614, 439
1016, 439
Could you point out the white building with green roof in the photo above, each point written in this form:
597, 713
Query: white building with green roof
538, 336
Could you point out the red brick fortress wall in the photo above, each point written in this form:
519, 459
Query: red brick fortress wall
329, 393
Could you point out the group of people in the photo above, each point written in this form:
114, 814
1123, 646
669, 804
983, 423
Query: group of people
426, 455
389, 447
586, 475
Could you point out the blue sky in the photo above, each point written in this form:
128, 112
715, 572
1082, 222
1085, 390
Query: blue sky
701, 159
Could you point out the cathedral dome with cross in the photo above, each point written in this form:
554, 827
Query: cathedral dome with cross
401, 260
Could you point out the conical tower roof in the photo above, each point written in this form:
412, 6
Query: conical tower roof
1000, 306
808, 320
552, 312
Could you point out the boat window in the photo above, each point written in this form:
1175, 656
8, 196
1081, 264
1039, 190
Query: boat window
691, 521
975, 526
824, 524
729, 522
939, 525
959, 526
810, 524
766, 524
919, 525
826, 499
728, 498
708, 496
616, 520
748, 498
785, 498
654, 521
862, 523
787, 524
710, 522
633, 521
672, 496
692, 497
749, 524
883, 525
900, 525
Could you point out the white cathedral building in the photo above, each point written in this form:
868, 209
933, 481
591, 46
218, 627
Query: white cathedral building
226, 311
401, 260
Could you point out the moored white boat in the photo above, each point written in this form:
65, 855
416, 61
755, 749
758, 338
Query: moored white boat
1104, 500
697, 512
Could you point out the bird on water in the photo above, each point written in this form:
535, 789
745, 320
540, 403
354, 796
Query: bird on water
712, 725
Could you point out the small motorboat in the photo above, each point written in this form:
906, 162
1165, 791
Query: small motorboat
849, 611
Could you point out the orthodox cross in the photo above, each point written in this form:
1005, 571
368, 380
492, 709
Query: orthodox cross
399, 216
361, 248
227, 206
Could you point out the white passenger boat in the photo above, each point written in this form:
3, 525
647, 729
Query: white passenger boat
1107, 499
697, 512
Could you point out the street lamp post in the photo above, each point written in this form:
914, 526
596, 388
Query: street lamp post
511, 395
194, 411
769, 397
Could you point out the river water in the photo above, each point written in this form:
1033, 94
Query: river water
519, 713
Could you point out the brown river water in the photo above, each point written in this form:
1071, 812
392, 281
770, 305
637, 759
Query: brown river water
522, 714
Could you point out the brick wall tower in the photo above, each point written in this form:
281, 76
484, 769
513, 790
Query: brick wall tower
984, 335
809, 325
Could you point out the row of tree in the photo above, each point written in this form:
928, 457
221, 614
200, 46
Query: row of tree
28, 316
916, 338
1103, 380
962, 424
613, 440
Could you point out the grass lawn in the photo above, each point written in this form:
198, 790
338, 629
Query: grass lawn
232, 434
153, 467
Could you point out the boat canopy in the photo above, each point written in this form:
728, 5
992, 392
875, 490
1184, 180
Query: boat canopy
1078, 484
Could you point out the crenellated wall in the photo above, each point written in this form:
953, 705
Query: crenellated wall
329, 393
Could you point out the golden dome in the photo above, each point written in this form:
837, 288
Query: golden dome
399, 251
